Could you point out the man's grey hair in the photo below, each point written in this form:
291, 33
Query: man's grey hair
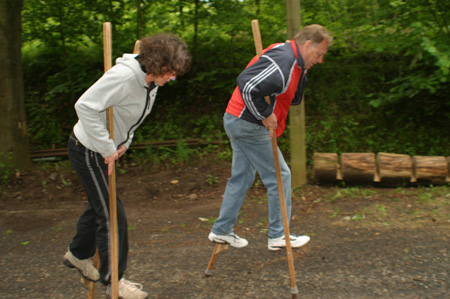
315, 33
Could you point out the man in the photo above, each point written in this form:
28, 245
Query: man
281, 74
129, 87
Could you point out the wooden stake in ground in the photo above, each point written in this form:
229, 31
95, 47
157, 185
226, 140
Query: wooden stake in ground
107, 56
290, 257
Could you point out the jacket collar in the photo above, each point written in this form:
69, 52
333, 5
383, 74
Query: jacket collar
300, 61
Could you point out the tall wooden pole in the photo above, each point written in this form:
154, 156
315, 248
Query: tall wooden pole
297, 113
284, 215
107, 55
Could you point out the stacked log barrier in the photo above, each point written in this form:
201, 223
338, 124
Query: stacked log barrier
326, 167
433, 170
448, 164
394, 168
381, 169
358, 168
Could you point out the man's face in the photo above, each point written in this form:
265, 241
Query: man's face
160, 80
313, 53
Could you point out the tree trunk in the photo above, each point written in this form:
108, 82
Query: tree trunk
297, 129
13, 138
258, 7
195, 41
62, 36
394, 168
139, 19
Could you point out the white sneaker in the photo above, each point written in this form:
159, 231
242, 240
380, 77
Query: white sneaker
296, 241
85, 267
232, 239
128, 290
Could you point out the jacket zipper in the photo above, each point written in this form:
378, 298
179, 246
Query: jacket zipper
142, 115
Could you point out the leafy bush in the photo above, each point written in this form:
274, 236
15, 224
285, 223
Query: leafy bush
7, 167
383, 86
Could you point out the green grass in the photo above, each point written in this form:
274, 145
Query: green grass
351, 192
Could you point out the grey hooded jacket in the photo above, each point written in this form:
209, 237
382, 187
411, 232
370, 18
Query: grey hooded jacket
124, 88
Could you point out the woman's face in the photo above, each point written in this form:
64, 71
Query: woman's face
160, 80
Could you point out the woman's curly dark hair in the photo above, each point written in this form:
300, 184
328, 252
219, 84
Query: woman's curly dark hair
164, 53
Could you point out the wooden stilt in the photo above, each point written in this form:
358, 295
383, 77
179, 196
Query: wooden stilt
90, 285
107, 53
290, 257
217, 249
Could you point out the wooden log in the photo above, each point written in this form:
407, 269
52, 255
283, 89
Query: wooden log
326, 167
394, 168
430, 169
358, 167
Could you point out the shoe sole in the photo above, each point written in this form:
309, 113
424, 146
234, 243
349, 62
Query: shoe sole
109, 297
276, 248
225, 242
68, 264
218, 242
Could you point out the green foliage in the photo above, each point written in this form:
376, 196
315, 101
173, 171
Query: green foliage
179, 155
383, 86
183, 151
7, 167
211, 180
353, 192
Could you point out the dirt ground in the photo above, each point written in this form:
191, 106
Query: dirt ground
365, 242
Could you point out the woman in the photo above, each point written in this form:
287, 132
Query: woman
130, 88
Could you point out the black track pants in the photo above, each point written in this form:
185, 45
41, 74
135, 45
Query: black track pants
93, 228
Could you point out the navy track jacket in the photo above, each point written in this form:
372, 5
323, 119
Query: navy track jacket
280, 74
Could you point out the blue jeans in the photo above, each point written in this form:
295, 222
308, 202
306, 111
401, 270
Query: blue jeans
252, 151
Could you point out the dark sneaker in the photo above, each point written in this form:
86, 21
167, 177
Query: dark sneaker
232, 239
128, 290
296, 241
84, 266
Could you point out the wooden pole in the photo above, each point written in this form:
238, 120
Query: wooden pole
107, 55
290, 257
297, 129
108, 64
137, 44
